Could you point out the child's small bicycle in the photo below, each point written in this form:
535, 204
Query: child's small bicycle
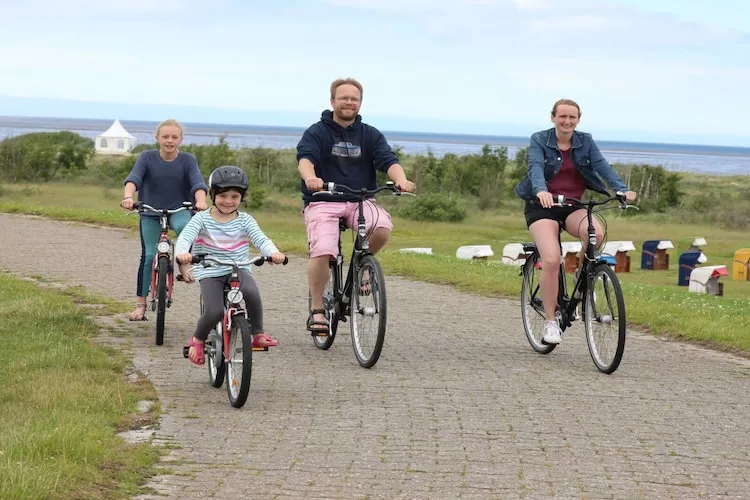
162, 268
228, 348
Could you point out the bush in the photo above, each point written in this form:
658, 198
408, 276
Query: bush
44, 156
433, 207
113, 170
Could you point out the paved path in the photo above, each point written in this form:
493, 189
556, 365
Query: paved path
459, 406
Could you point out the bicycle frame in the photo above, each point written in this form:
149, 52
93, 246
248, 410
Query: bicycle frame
343, 288
233, 296
569, 303
163, 251
232, 308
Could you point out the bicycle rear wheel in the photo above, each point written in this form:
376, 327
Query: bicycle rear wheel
368, 311
604, 319
240, 362
329, 304
532, 307
162, 268
215, 354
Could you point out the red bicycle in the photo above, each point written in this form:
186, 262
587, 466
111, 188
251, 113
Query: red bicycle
228, 348
162, 268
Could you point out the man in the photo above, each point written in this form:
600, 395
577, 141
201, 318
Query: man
341, 149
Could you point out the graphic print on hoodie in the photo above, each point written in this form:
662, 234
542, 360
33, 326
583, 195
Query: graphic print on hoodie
347, 156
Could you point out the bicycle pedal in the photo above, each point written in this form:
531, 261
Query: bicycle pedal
185, 351
260, 348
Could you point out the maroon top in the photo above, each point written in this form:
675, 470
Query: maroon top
568, 181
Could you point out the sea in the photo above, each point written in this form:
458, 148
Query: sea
705, 159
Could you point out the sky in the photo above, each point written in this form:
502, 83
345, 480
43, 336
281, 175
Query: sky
641, 70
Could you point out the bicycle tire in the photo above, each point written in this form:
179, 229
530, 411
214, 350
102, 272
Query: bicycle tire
532, 307
162, 268
366, 348
329, 304
214, 352
606, 357
240, 345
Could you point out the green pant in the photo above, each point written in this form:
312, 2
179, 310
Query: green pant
150, 232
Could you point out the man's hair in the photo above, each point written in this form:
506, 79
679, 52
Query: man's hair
344, 81
569, 102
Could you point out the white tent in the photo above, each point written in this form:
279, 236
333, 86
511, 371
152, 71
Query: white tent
116, 140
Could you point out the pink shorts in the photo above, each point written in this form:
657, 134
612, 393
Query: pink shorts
322, 223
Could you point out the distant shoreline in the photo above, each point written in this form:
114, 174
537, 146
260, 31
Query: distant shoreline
218, 129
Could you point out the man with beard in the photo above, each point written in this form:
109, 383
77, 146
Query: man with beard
341, 149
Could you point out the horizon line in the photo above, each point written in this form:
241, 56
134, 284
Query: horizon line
294, 128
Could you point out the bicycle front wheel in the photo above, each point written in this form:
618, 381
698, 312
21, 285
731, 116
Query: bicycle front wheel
162, 268
240, 362
532, 307
368, 311
604, 319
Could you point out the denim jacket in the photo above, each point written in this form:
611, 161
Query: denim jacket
545, 161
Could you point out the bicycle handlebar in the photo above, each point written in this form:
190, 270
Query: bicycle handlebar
139, 206
333, 188
619, 196
208, 260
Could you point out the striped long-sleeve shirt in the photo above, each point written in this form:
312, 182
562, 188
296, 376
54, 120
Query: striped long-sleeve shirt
224, 240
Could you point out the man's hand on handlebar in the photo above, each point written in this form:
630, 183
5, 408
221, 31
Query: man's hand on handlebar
314, 183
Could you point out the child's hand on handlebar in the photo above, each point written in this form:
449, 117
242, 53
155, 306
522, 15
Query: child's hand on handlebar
277, 258
184, 258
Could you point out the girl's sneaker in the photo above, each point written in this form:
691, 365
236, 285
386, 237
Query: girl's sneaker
552, 333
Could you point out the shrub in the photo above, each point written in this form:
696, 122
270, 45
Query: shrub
433, 207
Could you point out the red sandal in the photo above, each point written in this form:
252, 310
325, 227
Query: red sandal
198, 359
263, 340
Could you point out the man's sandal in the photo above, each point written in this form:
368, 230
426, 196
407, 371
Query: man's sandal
199, 346
317, 327
135, 316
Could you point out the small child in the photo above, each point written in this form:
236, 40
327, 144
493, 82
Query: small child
223, 232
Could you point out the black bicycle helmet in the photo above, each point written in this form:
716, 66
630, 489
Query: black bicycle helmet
228, 176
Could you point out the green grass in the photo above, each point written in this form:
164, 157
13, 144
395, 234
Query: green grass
61, 402
654, 300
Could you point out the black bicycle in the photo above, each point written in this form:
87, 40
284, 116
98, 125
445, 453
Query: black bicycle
367, 307
596, 286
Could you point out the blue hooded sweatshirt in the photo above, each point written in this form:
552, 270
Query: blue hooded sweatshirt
348, 156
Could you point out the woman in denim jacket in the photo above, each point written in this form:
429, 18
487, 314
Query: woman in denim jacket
562, 161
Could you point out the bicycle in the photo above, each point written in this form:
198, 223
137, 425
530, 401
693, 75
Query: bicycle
365, 275
228, 348
162, 268
596, 286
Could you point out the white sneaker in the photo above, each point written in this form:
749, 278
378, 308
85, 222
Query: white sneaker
552, 333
